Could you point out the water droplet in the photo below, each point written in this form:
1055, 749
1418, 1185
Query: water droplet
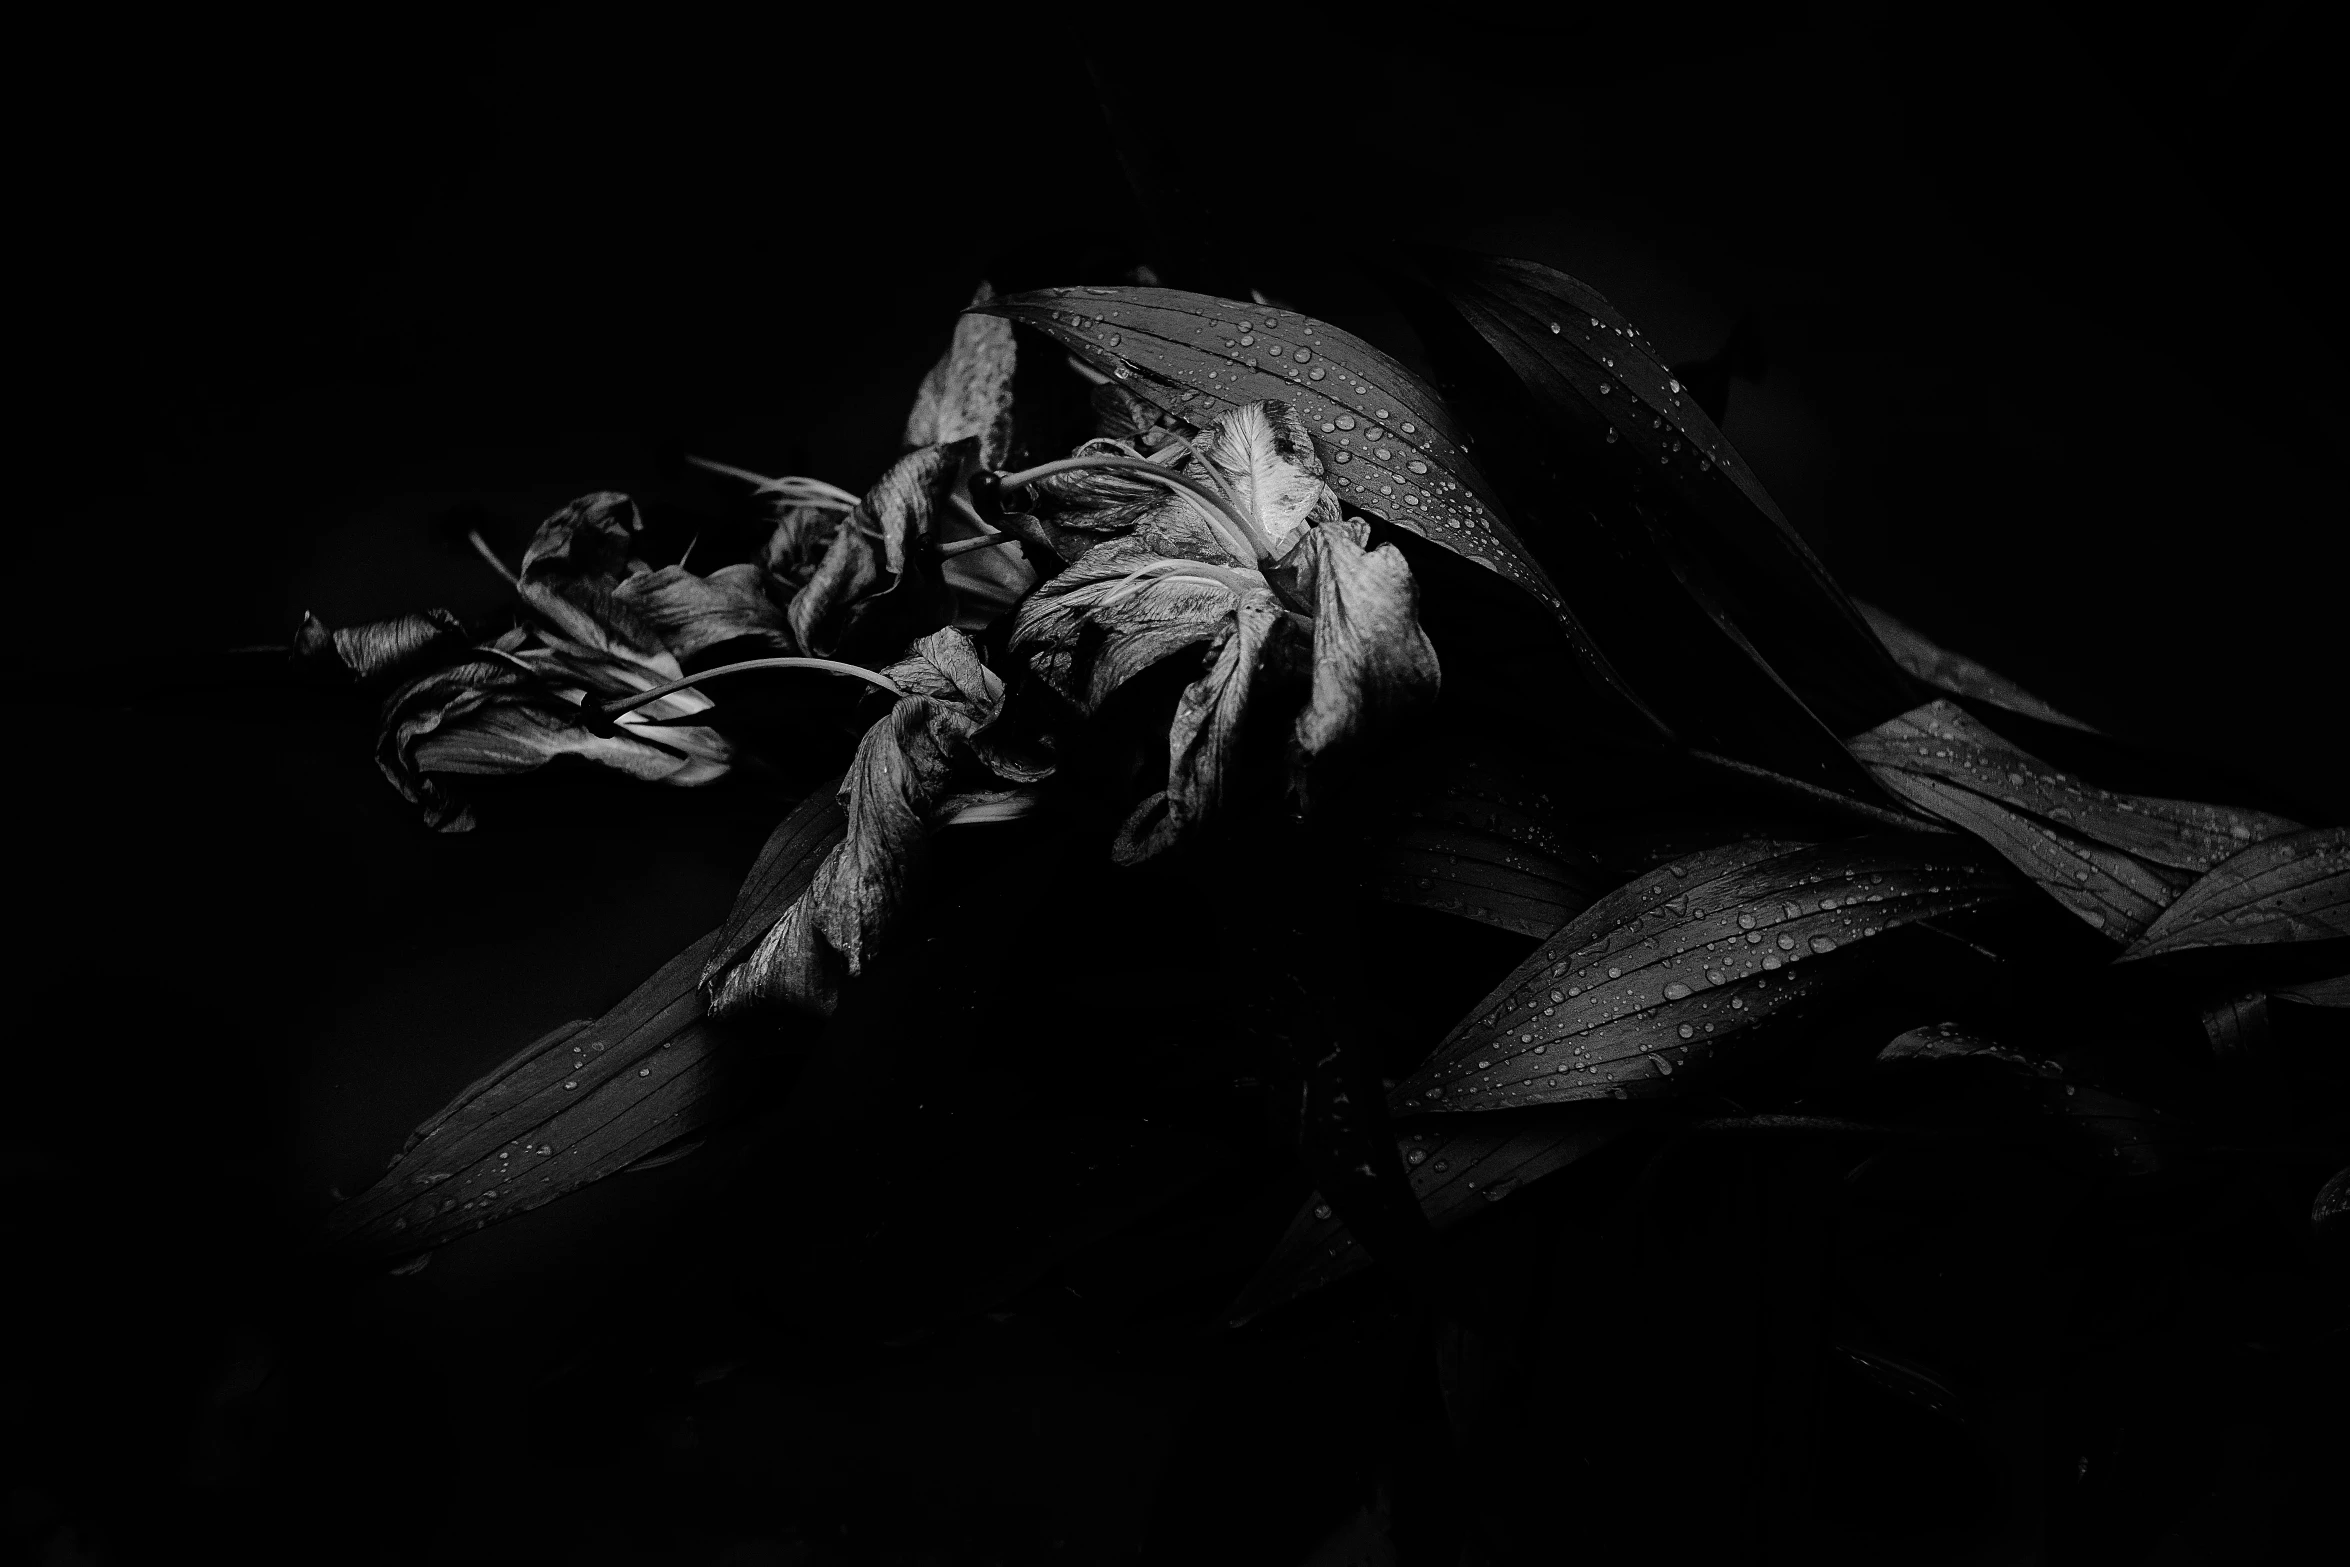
1417, 1156
1554, 328
1675, 385
1302, 355
1314, 374
1611, 436
1380, 412
1687, 1031
1246, 340
1605, 388
1443, 1165
1772, 961
1409, 428
1112, 338
1615, 973
1786, 943
571, 1085
1676, 991
1321, 1210
1746, 922
1823, 944
1346, 457
644, 1071
1346, 421
1417, 467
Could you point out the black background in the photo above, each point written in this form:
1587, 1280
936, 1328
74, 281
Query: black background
2051, 370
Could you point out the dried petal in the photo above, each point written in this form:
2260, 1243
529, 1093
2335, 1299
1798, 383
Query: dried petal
1200, 741
802, 538
486, 716
691, 614
381, 647
574, 567
1118, 610
1372, 662
875, 553
968, 393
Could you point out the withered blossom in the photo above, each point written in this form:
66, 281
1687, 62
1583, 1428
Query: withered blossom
1268, 555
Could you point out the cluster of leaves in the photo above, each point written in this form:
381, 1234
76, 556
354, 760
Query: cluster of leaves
1749, 825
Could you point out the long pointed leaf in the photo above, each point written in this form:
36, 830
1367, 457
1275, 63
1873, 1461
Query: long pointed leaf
1656, 978
1389, 442
2290, 888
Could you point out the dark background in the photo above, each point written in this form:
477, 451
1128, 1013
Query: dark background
2049, 368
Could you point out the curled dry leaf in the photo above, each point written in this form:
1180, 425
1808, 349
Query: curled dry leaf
1393, 447
2293, 887
380, 647
967, 395
1457, 1170
904, 779
1657, 977
1200, 741
2116, 860
874, 582
1373, 664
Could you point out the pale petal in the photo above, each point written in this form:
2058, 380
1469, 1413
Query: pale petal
1372, 662
1118, 610
1207, 726
691, 614
874, 556
968, 393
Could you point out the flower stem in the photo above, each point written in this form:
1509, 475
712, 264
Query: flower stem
606, 712
986, 542
1253, 545
793, 487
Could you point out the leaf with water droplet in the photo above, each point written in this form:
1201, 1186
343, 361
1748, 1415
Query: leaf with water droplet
2112, 1131
1182, 352
1714, 526
1943, 742
2333, 992
2294, 887
1455, 1168
1595, 997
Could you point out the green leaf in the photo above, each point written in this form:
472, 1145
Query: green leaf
1478, 875
1457, 1170
1657, 977
2333, 992
2295, 887
1390, 445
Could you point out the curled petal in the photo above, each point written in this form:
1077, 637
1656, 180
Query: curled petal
1118, 610
1372, 662
968, 393
875, 554
691, 614
573, 569
802, 537
790, 967
381, 647
1207, 723
487, 717
1265, 463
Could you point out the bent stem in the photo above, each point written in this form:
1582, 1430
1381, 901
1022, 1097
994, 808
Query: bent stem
607, 712
793, 487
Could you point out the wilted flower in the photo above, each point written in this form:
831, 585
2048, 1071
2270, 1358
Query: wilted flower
604, 626
1224, 542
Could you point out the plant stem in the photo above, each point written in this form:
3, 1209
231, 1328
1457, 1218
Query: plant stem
630, 704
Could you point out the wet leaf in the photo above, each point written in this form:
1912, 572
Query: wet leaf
1657, 977
1942, 742
2238, 1029
1957, 674
1457, 1169
1905, 1380
2117, 1132
1388, 441
1480, 876
585, 1101
2295, 887
1595, 375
